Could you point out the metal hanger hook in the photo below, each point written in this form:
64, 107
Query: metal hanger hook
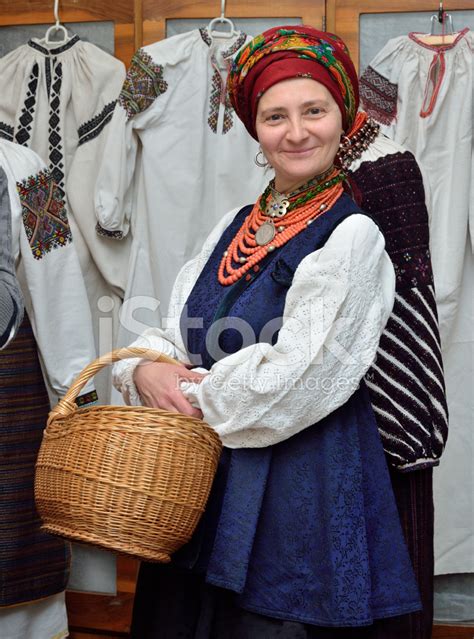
441, 12
55, 28
56, 12
222, 8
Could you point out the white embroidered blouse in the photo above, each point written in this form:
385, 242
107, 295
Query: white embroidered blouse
335, 312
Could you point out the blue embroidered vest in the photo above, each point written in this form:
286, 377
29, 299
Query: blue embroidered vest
307, 529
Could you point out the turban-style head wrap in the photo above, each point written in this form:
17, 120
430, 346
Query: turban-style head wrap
282, 53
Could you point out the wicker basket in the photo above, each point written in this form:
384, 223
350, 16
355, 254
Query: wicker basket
134, 480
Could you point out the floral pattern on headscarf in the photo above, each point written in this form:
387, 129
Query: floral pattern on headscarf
306, 43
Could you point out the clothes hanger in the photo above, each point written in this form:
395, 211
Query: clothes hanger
214, 33
448, 36
54, 29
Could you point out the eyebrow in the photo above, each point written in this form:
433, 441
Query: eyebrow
305, 105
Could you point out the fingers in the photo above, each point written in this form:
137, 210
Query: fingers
191, 376
184, 406
159, 387
175, 403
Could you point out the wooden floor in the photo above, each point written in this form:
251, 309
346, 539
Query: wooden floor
107, 617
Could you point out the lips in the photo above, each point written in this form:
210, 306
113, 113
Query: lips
299, 152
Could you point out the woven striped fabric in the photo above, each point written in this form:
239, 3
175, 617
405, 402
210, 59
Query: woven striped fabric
406, 382
33, 564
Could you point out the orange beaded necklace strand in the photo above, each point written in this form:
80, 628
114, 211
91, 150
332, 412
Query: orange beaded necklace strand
259, 236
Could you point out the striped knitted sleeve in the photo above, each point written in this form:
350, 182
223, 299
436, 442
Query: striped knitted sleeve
406, 382
11, 298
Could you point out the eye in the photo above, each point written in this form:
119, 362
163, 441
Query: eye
274, 117
315, 111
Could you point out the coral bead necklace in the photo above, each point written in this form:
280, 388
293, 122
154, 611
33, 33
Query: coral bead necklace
274, 220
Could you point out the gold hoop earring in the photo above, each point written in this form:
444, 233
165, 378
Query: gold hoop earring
258, 162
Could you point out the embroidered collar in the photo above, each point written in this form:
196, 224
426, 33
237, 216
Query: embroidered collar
234, 47
56, 50
439, 47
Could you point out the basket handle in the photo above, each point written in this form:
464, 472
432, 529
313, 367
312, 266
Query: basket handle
66, 406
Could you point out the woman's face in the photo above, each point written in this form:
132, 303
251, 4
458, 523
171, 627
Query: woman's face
299, 127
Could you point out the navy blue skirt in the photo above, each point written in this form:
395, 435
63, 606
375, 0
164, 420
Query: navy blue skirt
173, 602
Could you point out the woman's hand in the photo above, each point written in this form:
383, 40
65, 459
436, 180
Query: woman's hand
158, 385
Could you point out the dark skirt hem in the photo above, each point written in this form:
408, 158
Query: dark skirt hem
326, 623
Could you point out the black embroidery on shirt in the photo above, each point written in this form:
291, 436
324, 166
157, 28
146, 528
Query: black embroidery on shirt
378, 96
88, 398
57, 50
93, 127
47, 71
6, 131
56, 158
205, 36
23, 133
113, 235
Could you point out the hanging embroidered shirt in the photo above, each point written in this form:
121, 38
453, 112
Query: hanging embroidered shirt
55, 296
59, 103
423, 97
176, 158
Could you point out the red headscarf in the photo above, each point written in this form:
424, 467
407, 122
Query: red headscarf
288, 52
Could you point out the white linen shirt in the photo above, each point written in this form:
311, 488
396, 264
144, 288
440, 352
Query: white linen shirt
55, 295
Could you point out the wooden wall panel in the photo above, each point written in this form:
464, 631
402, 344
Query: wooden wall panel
121, 12
343, 15
156, 12
453, 632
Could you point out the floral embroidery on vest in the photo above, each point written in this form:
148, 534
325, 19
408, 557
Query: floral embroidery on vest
44, 214
143, 84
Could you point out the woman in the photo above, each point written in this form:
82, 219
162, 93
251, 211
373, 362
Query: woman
283, 310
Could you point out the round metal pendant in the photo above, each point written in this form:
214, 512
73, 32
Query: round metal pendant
265, 233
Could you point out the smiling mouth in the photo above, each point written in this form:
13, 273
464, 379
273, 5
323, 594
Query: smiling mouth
300, 151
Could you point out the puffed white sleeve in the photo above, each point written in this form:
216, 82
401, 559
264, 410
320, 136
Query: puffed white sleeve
168, 339
335, 311
141, 101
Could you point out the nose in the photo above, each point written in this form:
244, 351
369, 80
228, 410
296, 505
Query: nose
297, 131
